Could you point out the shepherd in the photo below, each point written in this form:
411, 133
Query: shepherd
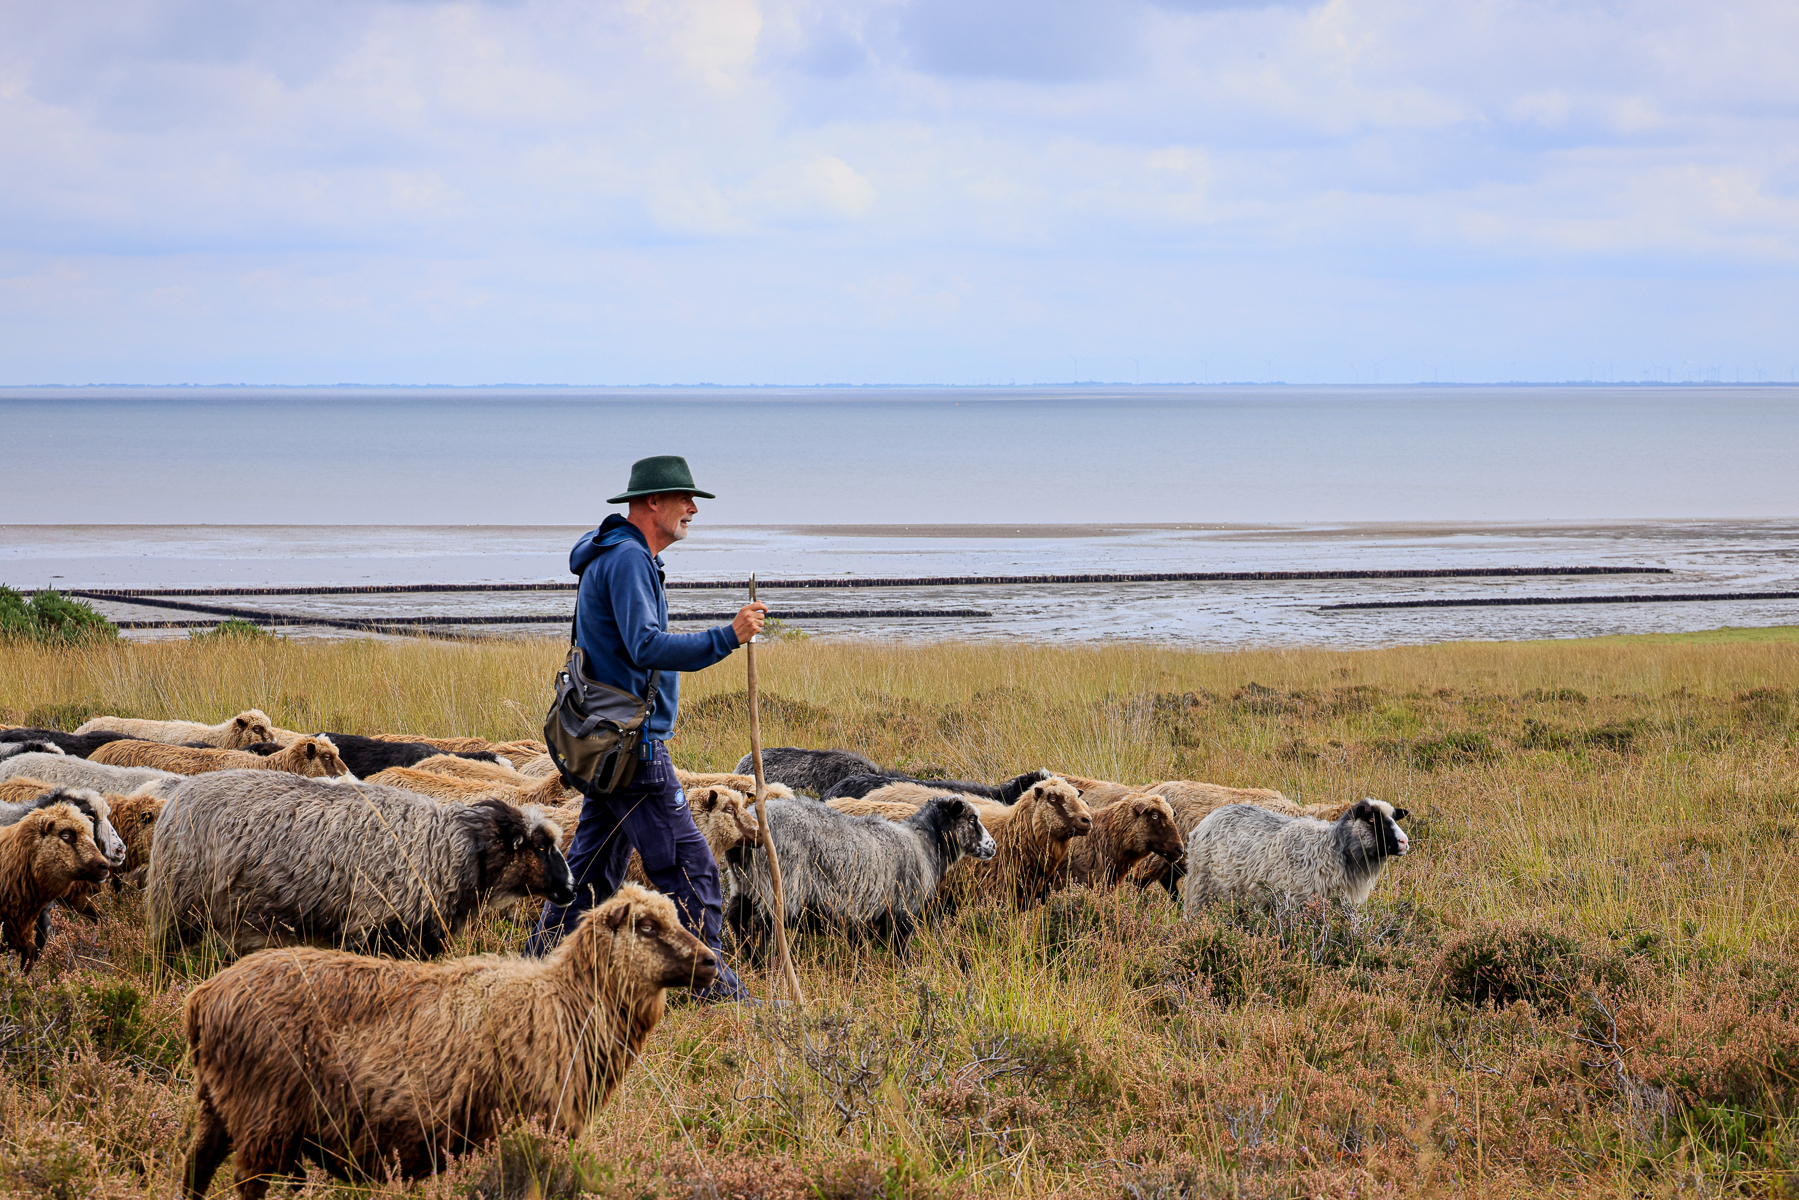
621, 624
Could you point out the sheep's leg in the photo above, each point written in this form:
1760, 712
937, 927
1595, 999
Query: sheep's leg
212, 1142
263, 1158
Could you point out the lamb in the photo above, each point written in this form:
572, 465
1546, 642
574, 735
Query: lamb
92, 804
860, 875
1123, 834
1241, 846
810, 771
1032, 837
314, 757
79, 744
365, 1063
69, 771
1000, 793
264, 857
251, 725
42, 854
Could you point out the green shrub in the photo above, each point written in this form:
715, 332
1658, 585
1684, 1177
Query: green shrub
50, 618
1498, 965
234, 628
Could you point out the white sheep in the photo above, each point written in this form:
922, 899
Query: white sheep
1241, 846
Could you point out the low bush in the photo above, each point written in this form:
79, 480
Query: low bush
51, 618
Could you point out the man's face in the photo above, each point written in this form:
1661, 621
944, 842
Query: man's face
671, 512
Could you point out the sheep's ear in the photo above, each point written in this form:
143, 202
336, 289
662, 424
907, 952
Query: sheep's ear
1361, 810
1400, 814
706, 799
615, 920
312, 749
242, 724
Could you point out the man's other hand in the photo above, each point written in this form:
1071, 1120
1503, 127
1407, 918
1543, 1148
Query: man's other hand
749, 622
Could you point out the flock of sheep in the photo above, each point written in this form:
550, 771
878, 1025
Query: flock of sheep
328, 869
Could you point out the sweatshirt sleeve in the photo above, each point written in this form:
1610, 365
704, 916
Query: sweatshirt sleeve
648, 647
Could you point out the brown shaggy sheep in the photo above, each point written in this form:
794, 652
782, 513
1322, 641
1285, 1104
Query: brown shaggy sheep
42, 855
365, 1063
23, 787
134, 816
313, 757
868, 806
1123, 834
547, 792
520, 752
245, 729
449, 745
1191, 801
1033, 837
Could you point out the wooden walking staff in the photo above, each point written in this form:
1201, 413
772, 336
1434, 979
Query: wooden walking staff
768, 840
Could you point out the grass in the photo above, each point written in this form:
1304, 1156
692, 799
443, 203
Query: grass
1583, 981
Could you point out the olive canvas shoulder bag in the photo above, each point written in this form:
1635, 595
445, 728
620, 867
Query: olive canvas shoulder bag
594, 730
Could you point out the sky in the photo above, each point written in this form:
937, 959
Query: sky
897, 191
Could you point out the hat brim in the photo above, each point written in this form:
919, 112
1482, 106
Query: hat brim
624, 496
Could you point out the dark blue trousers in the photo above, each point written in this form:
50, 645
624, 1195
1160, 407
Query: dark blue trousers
649, 815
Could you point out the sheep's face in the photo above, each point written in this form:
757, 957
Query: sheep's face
724, 816
135, 819
249, 727
524, 857
649, 944
963, 822
65, 848
1153, 830
1064, 814
316, 758
1378, 827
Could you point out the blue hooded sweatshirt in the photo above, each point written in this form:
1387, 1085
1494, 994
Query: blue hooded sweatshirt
621, 621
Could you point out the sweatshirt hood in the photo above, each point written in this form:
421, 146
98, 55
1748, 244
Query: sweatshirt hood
595, 542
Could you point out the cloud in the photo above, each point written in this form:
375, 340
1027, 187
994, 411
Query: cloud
357, 188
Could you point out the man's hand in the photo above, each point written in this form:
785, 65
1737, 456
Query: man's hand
749, 622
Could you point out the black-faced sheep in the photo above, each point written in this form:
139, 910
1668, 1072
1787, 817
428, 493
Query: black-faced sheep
1240, 847
79, 744
813, 772
365, 1063
1124, 833
91, 802
863, 876
264, 857
313, 757
66, 770
999, 793
1032, 837
365, 755
251, 725
42, 854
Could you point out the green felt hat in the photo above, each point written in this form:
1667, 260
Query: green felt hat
663, 473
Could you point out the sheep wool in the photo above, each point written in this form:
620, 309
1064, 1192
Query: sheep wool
738, 783
1124, 833
862, 876
362, 1063
65, 770
92, 804
134, 819
251, 725
313, 757
264, 858
999, 793
813, 772
1239, 848
42, 854
1032, 837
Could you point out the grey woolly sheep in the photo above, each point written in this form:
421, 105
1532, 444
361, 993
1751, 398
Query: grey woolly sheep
264, 857
863, 876
813, 772
1241, 846
69, 771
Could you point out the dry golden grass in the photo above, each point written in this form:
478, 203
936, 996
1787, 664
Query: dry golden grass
1583, 981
